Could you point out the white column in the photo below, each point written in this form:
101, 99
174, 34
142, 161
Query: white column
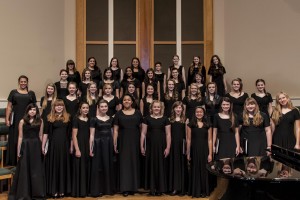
178, 28
110, 29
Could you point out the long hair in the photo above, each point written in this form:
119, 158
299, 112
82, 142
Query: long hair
173, 114
231, 114
241, 84
53, 116
174, 92
46, 96
179, 75
110, 65
89, 96
83, 74
219, 70
257, 118
147, 79
216, 88
92, 58
212, 61
204, 120
134, 94
105, 86
146, 93
139, 65
198, 94
125, 77
71, 62
37, 118
192, 67
263, 81
105, 77
79, 108
162, 107
277, 112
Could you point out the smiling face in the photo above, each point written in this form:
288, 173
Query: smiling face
50, 90
178, 110
59, 109
72, 89
175, 73
107, 90
260, 86
114, 62
199, 113
198, 78
211, 88
127, 102
84, 109
150, 90
92, 63
283, 100
108, 74
150, 74
87, 74
129, 72
250, 107
175, 60
156, 108
23, 83
93, 88
103, 108
158, 67
32, 112
196, 60
131, 88
215, 60
236, 86
63, 76
194, 89
225, 106
171, 85
135, 63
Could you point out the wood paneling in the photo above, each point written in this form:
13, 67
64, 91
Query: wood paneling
80, 34
208, 32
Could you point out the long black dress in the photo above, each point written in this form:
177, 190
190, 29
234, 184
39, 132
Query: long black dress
197, 70
102, 166
168, 106
29, 180
19, 103
74, 78
80, 172
225, 136
256, 136
217, 74
112, 104
96, 74
191, 105
238, 103
284, 132
115, 85
212, 107
199, 181
156, 175
160, 78
129, 149
83, 88
58, 176
178, 174
263, 102
45, 112
71, 106
61, 92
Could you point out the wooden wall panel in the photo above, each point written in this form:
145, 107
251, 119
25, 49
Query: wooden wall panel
80, 34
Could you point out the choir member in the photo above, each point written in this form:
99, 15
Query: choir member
176, 65
196, 68
216, 74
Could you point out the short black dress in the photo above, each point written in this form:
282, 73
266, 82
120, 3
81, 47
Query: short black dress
255, 135
80, 167
29, 180
225, 136
57, 162
263, 102
284, 132
200, 184
19, 103
157, 172
178, 174
129, 149
238, 103
191, 106
102, 166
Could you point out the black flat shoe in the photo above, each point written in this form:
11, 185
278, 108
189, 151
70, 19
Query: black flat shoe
125, 194
174, 193
151, 193
158, 194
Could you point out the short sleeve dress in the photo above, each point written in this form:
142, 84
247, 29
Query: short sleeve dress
191, 106
263, 102
238, 103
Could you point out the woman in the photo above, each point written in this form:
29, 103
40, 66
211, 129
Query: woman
92, 98
216, 74
226, 138
199, 152
80, 137
178, 173
101, 152
96, 73
180, 68
262, 97
237, 96
171, 96
147, 100
192, 101
29, 179
57, 151
180, 86
151, 79
196, 68
47, 100
117, 72
198, 78
62, 85
128, 78
285, 123
132, 90
127, 124
157, 148
137, 71
255, 129
73, 74
71, 101
212, 101
113, 101
83, 85
18, 100
108, 79
161, 78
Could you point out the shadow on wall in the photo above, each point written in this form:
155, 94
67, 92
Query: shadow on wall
294, 4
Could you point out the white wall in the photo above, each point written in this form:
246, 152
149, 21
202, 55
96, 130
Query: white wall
260, 39
37, 37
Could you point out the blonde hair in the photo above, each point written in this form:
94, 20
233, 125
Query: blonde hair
198, 94
46, 96
277, 112
53, 116
257, 118
173, 114
88, 94
174, 92
162, 107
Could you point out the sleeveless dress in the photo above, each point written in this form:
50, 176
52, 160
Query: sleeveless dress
29, 180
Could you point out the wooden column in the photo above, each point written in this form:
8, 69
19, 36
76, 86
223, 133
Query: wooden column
208, 32
80, 34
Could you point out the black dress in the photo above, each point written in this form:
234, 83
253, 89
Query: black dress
74, 78
80, 167
238, 103
256, 136
156, 175
199, 178
180, 86
116, 74
71, 106
146, 110
102, 166
168, 106
226, 137
29, 180
160, 78
140, 74
196, 70
129, 149
179, 70
212, 107
61, 92
263, 102
96, 74
125, 83
83, 88
19, 103
284, 132
115, 85
191, 106
112, 104
92, 106
217, 75
178, 174
45, 112
57, 162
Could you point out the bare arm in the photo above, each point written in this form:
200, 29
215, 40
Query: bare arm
92, 135
142, 107
165, 82
20, 138
224, 81
100, 92
41, 131
121, 75
183, 76
142, 139
169, 73
168, 139
268, 135
210, 78
116, 133
143, 89
158, 90
237, 140
45, 138
210, 149
121, 92
272, 126
183, 93
297, 133
7, 113
188, 142
118, 93
75, 142
270, 109
215, 131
